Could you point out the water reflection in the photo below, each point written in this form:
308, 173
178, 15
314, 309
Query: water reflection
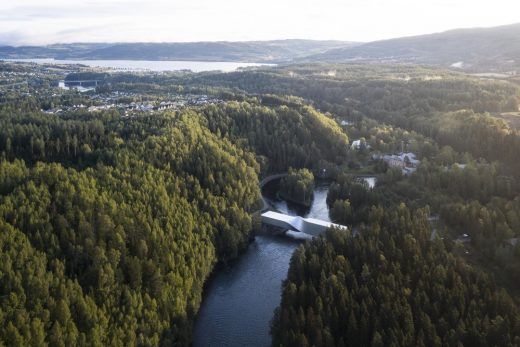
318, 208
239, 301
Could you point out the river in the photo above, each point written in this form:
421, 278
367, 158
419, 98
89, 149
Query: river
239, 300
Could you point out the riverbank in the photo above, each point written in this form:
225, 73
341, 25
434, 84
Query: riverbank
239, 299
287, 198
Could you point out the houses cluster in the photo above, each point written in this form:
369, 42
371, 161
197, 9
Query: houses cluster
126, 109
407, 162
168, 105
12, 82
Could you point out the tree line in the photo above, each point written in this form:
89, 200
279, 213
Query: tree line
390, 286
110, 225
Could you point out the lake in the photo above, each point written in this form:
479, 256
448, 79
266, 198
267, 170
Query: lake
239, 300
149, 65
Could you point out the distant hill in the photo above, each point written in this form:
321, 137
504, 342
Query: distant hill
252, 51
494, 49
479, 49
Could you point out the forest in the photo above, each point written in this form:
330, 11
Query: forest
467, 181
390, 286
112, 223
128, 243
297, 186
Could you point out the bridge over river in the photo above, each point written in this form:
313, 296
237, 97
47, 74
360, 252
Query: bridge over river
310, 226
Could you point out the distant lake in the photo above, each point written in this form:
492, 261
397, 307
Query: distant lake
149, 65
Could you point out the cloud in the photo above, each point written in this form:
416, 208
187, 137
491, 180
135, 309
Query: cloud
11, 38
66, 10
38, 22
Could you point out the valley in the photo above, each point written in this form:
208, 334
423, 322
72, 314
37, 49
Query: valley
146, 220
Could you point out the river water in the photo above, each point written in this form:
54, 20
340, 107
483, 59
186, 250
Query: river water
239, 301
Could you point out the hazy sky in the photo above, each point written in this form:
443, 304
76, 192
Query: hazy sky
50, 21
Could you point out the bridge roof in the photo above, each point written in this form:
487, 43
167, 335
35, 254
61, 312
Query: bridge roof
279, 216
311, 226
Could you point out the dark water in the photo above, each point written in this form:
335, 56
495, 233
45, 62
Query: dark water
239, 301
318, 209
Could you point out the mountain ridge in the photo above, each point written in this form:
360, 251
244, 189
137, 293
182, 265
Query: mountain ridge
470, 48
275, 51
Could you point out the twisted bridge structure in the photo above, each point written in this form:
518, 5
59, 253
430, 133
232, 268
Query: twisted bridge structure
309, 226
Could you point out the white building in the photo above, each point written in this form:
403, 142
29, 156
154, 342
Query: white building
359, 144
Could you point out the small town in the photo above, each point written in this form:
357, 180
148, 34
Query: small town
49, 82
112, 102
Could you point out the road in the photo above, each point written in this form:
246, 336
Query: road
265, 205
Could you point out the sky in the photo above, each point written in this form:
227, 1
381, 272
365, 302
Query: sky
37, 22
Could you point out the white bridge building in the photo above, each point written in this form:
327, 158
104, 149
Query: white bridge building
309, 226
